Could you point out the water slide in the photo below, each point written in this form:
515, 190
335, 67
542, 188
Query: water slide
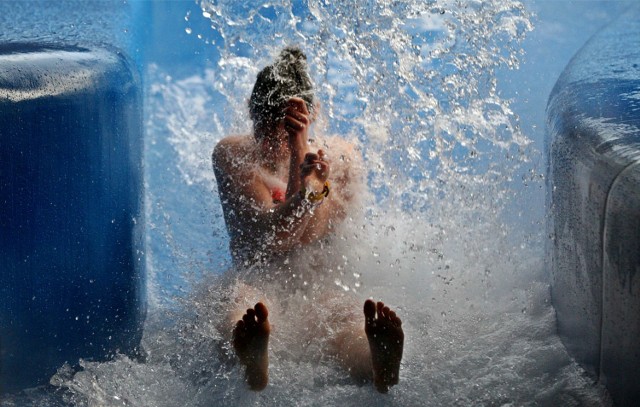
593, 120
72, 280
86, 100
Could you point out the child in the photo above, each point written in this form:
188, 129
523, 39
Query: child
279, 196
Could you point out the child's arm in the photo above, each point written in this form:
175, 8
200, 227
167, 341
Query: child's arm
249, 210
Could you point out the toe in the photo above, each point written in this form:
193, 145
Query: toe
386, 311
261, 312
380, 307
248, 319
369, 311
239, 328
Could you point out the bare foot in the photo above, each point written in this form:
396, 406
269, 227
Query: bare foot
251, 340
386, 340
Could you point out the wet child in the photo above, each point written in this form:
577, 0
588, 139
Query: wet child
278, 196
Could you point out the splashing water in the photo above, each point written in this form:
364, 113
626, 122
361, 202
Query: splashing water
413, 84
413, 81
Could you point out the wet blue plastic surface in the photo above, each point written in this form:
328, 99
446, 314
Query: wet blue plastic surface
72, 277
593, 122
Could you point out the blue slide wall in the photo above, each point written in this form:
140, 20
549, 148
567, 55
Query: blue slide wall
593, 123
72, 276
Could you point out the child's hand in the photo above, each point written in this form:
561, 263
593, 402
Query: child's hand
296, 123
314, 168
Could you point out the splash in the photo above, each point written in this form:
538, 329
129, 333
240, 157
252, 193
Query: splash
414, 82
414, 85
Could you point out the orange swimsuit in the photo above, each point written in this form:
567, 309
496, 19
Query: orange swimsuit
278, 195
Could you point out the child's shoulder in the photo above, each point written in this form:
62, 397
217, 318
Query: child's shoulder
235, 141
229, 148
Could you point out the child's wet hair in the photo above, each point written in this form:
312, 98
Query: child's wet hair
287, 77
